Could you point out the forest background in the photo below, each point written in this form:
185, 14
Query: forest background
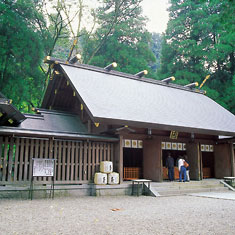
199, 41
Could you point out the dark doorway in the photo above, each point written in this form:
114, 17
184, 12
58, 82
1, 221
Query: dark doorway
132, 163
175, 154
208, 164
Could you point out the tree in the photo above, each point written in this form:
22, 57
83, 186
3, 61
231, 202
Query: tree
121, 37
199, 40
26, 37
156, 49
56, 33
130, 59
182, 54
111, 21
20, 52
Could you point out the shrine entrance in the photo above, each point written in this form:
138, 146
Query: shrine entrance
176, 150
132, 159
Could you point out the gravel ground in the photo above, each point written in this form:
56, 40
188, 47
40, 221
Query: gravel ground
134, 215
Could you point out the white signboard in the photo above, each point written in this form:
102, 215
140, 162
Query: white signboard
43, 167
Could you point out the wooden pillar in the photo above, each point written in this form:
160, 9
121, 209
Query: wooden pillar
223, 156
89, 126
152, 159
232, 160
118, 158
194, 158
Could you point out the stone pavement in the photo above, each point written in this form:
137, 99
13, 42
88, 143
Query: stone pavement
218, 195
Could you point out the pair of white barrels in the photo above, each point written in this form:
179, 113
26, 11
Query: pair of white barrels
106, 175
104, 178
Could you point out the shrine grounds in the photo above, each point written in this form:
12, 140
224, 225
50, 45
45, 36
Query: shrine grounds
118, 215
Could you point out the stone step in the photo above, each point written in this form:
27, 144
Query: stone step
204, 182
181, 188
189, 191
186, 186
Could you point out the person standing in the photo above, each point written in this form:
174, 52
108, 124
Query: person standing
187, 167
170, 166
182, 169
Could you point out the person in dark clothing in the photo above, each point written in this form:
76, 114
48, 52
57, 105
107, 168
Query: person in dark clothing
170, 166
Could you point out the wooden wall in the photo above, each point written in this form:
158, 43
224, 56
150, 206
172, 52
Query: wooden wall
76, 161
194, 157
152, 161
223, 164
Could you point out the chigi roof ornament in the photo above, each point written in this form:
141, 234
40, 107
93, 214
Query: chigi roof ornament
111, 66
141, 73
167, 80
75, 59
192, 85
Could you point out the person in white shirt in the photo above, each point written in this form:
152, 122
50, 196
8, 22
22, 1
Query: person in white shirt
182, 169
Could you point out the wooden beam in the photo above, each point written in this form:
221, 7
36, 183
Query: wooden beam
232, 160
56, 87
10, 159
26, 156
31, 156
89, 161
81, 149
16, 159
72, 161
77, 148
59, 161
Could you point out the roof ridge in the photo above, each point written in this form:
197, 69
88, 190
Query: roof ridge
133, 77
52, 60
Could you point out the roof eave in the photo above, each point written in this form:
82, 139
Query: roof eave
196, 130
11, 112
58, 135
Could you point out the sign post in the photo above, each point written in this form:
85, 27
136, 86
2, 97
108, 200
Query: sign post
42, 167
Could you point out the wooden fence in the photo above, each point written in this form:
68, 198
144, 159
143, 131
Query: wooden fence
76, 161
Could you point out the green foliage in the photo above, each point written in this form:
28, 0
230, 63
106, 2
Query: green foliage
156, 49
20, 53
25, 38
124, 38
60, 43
130, 59
200, 40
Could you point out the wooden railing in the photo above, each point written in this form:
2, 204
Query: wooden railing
132, 173
76, 161
165, 173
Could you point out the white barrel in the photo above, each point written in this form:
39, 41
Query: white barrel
113, 178
100, 178
106, 167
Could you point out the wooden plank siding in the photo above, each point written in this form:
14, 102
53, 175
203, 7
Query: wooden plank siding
85, 162
72, 166
67, 160
97, 158
58, 162
80, 161
32, 148
16, 159
76, 161
93, 160
21, 163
